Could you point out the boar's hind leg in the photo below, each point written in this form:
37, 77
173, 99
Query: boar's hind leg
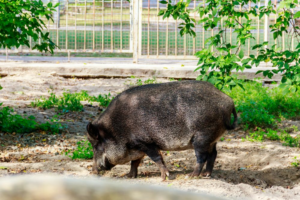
156, 156
134, 168
201, 155
210, 161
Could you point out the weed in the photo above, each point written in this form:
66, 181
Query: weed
84, 150
296, 162
264, 107
103, 100
286, 139
10, 123
71, 101
139, 82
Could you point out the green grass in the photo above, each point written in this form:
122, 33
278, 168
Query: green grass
281, 135
139, 81
84, 150
296, 162
10, 123
70, 101
264, 107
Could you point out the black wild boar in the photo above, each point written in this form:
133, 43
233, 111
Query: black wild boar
170, 116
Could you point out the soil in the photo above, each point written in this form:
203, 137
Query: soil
243, 169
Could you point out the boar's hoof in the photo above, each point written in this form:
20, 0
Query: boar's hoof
194, 174
164, 173
206, 174
94, 172
131, 175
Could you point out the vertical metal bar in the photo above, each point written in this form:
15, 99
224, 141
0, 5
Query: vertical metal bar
57, 24
203, 31
194, 38
167, 37
258, 29
292, 47
94, 4
176, 36
212, 34
135, 30
84, 39
131, 24
148, 39
140, 26
184, 40
67, 7
121, 27
157, 33
275, 3
249, 38
240, 20
266, 25
283, 41
103, 25
111, 27
75, 25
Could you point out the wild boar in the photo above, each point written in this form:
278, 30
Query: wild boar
172, 116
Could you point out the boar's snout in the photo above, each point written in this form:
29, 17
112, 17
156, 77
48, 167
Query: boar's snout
101, 163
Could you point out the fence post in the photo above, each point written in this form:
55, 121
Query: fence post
266, 26
135, 29
131, 25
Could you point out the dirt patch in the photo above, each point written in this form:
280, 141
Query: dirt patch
242, 169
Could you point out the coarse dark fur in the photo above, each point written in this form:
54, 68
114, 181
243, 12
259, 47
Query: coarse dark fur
170, 116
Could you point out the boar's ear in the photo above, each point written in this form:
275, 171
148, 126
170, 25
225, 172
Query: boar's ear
92, 132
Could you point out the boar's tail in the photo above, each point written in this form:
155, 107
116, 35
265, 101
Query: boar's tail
233, 125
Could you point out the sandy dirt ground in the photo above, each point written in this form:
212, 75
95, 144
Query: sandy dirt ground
243, 169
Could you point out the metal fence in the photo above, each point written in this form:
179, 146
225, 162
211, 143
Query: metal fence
120, 26
161, 38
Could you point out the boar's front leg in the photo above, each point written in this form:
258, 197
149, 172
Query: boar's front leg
156, 156
134, 168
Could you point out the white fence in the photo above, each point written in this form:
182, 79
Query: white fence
120, 26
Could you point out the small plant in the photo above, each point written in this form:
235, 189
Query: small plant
139, 82
84, 151
103, 100
11, 123
222, 139
264, 107
286, 139
150, 81
296, 162
71, 101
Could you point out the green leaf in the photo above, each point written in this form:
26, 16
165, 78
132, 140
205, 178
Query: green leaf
161, 12
259, 71
241, 54
213, 80
163, 2
245, 61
